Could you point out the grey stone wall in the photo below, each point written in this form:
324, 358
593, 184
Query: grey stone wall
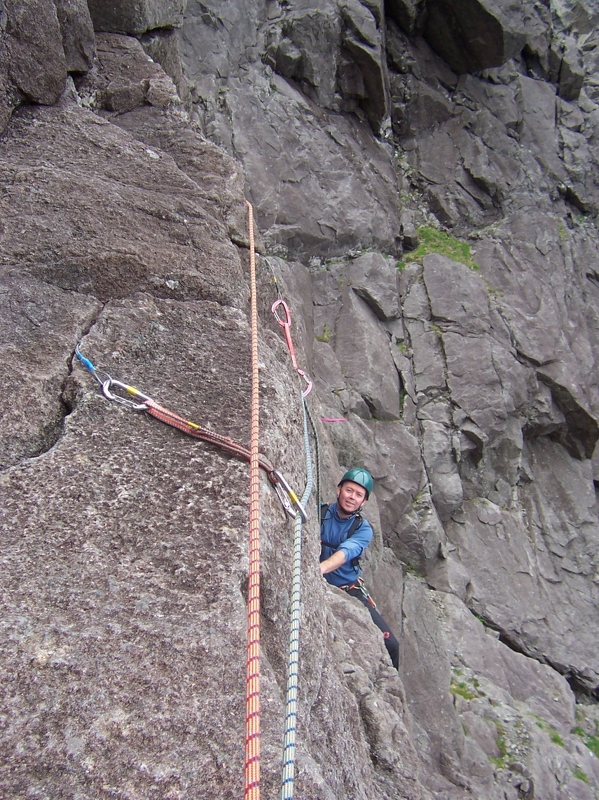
469, 390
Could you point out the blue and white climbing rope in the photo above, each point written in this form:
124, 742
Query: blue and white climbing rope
288, 771
282, 314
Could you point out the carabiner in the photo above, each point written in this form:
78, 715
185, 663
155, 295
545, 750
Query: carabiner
286, 325
308, 388
290, 493
110, 383
275, 306
284, 500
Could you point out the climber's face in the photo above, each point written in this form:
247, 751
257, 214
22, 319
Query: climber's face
350, 497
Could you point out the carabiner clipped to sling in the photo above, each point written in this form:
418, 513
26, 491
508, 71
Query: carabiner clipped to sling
121, 393
283, 499
110, 384
286, 494
286, 325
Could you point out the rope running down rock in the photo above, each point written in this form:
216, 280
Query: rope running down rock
289, 739
252, 718
288, 769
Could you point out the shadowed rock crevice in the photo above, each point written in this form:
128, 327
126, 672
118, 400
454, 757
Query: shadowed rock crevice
585, 694
43, 440
46, 430
38, 320
582, 432
136, 17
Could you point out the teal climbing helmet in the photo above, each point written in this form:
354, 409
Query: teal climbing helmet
360, 476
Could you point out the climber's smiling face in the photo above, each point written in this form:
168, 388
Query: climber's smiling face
350, 498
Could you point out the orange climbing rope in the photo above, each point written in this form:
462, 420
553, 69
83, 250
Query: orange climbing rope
252, 705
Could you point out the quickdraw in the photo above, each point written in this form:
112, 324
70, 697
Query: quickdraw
117, 392
359, 585
285, 323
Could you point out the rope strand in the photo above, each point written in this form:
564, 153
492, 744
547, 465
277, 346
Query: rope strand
288, 770
282, 314
252, 718
317, 459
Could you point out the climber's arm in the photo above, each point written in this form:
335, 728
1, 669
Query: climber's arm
333, 562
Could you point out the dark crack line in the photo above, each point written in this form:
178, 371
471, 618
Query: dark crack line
52, 432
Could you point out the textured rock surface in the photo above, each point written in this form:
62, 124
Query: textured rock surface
31, 36
470, 390
136, 16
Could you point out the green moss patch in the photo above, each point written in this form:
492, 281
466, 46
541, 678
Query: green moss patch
432, 240
582, 776
462, 689
550, 730
499, 760
325, 336
590, 739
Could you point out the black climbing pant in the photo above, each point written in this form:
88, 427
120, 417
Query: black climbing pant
391, 642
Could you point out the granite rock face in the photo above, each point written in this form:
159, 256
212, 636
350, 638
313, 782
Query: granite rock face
40, 42
136, 16
467, 384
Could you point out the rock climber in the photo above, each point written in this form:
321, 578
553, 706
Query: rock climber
344, 535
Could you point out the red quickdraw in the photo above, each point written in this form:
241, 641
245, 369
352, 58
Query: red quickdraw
286, 325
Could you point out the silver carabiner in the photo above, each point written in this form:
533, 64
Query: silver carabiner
110, 383
291, 494
284, 500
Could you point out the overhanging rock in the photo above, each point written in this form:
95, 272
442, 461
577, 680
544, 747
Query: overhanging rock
472, 35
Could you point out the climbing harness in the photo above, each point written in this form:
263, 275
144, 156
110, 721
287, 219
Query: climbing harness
117, 392
252, 706
359, 585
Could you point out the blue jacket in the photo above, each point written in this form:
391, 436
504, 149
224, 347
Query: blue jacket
334, 530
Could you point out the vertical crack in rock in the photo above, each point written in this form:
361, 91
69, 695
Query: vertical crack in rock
50, 433
37, 321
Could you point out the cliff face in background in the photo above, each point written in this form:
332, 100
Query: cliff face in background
132, 134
